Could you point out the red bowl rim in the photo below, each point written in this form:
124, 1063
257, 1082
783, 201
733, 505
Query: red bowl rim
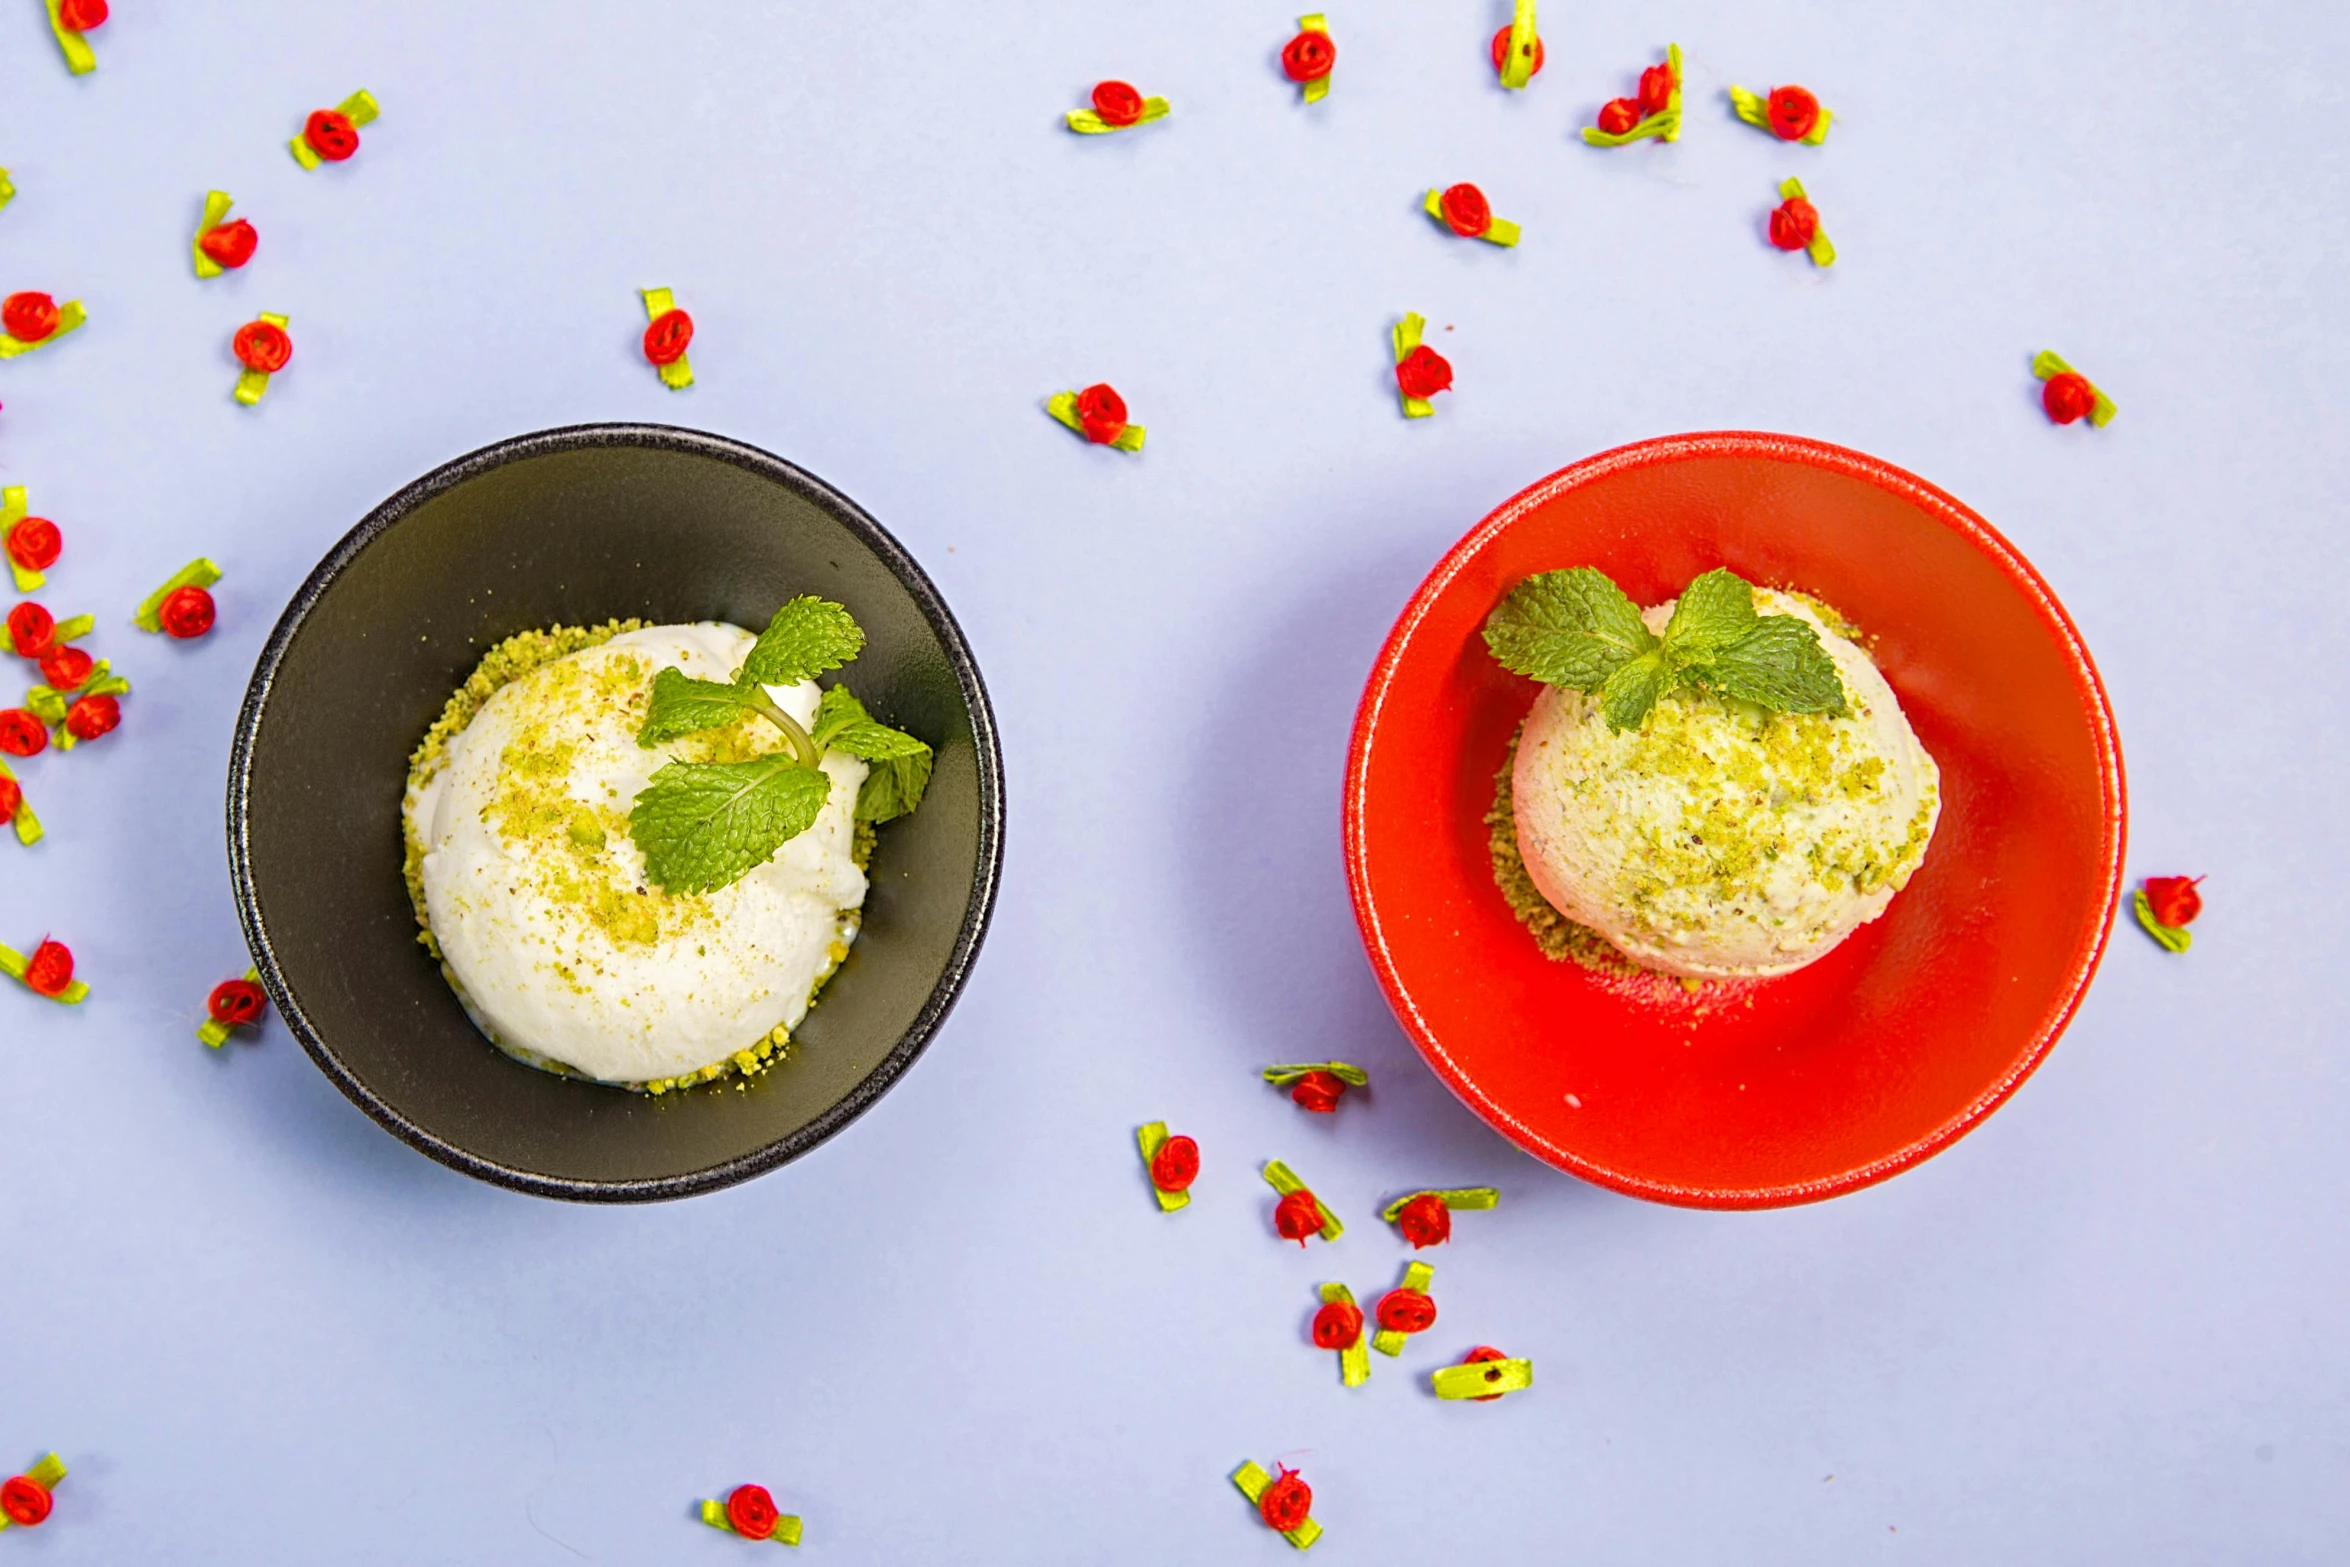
1940, 505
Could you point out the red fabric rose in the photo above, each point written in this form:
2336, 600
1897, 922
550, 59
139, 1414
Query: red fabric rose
2174, 898
752, 1512
1425, 1221
28, 317
50, 969
667, 336
235, 1002
1793, 223
1297, 1216
79, 16
25, 1500
262, 346
1618, 115
92, 716
1102, 413
21, 734
1466, 211
30, 628
1309, 56
1117, 103
231, 244
186, 612
1338, 1325
1318, 1092
66, 668
1406, 1311
1501, 52
1422, 374
2068, 397
1286, 1503
331, 134
34, 543
1479, 1356
1176, 1165
1793, 113
1656, 89
11, 796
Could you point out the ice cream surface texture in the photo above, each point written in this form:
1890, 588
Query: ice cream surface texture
561, 948
1717, 839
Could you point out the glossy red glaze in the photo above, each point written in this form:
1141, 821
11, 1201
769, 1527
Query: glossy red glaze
1767, 1092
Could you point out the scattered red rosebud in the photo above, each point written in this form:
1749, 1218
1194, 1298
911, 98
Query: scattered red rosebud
31, 629
1466, 211
28, 317
1287, 1502
24, 1500
66, 668
1422, 374
22, 734
231, 245
1306, 58
1318, 1092
1656, 90
1297, 1216
2174, 899
1338, 1325
1406, 1311
1477, 1357
1117, 103
34, 543
50, 969
92, 716
262, 346
331, 134
1176, 1165
186, 612
1425, 1221
752, 1512
2068, 397
1793, 113
79, 16
11, 797
1618, 115
1501, 52
236, 1002
1793, 223
1101, 411
666, 338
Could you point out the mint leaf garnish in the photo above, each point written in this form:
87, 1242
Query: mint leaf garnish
1577, 630
807, 637
899, 763
1567, 628
706, 825
682, 705
1779, 665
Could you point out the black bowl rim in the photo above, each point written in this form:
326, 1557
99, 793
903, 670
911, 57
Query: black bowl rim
983, 734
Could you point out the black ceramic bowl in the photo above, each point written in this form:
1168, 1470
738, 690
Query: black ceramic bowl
578, 526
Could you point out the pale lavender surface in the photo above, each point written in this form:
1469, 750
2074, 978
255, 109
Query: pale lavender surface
2104, 1328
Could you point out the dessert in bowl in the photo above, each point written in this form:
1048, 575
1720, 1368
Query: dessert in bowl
1661, 1038
564, 586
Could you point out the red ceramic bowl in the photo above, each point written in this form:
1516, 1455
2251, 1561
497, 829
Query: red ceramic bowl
1765, 1092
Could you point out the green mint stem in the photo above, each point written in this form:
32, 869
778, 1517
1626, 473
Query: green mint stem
802, 743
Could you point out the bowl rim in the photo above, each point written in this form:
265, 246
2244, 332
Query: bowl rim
1937, 504
985, 742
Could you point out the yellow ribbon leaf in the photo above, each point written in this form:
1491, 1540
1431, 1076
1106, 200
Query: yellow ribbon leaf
1151, 1139
69, 316
1315, 90
78, 57
1407, 338
1665, 123
12, 963
1755, 110
787, 1525
1460, 1199
2048, 363
216, 205
13, 509
198, 573
28, 826
1822, 253
214, 1032
678, 374
1482, 1378
7, 190
360, 109
1063, 407
1354, 1361
2173, 938
1415, 1277
1284, 1180
1517, 61
1087, 123
1283, 1076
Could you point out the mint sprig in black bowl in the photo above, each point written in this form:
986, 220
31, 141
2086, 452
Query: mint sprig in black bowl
583, 526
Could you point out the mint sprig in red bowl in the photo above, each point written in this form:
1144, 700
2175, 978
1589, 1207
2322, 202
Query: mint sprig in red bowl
1761, 1091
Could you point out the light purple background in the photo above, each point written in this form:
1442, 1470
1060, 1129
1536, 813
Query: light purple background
2106, 1327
